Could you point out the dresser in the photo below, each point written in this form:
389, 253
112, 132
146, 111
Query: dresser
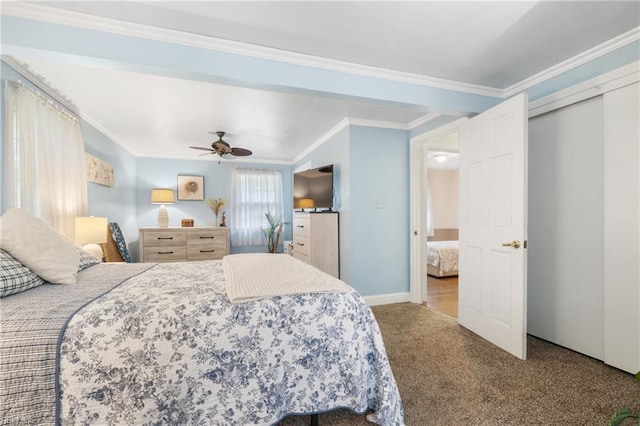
183, 244
315, 240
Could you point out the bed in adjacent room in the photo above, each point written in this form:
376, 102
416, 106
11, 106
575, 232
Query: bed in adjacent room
229, 342
442, 258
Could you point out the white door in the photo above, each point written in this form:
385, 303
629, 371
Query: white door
492, 264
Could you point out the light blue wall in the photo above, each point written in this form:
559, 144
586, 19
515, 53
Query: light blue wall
605, 63
117, 203
371, 165
162, 173
379, 210
336, 151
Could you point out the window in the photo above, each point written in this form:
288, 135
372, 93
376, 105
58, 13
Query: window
254, 192
44, 166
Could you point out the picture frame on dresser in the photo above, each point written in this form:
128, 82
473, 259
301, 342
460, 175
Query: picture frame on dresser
190, 188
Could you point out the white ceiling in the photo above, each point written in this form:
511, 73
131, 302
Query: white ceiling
492, 44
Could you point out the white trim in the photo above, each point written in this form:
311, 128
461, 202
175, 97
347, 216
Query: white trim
445, 128
345, 122
46, 87
571, 63
596, 86
40, 82
386, 299
82, 20
214, 158
417, 204
331, 133
424, 119
302, 167
377, 123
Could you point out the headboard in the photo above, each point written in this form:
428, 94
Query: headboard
444, 234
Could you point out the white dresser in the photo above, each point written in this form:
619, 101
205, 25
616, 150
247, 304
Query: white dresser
183, 244
315, 240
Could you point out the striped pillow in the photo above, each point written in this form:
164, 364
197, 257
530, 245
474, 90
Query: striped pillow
14, 277
86, 260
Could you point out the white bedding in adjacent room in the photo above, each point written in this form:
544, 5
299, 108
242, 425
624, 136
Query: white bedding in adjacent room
443, 257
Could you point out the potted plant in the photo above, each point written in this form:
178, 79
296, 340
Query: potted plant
273, 230
624, 413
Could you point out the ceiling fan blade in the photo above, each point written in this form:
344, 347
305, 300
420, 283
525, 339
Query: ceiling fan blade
200, 147
206, 153
240, 152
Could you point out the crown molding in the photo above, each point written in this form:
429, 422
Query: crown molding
93, 22
571, 63
422, 120
214, 159
42, 84
331, 133
377, 123
620, 77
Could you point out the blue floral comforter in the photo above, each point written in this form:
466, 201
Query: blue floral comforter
167, 347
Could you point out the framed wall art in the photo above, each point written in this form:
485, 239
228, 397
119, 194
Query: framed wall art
99, 171
190, 188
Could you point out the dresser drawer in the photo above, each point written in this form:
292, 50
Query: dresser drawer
207, 238
301, 245
301, 225
165, 254
206, 252
164, 238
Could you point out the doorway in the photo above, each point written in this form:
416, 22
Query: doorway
442, 223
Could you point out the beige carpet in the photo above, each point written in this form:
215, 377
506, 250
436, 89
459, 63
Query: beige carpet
449, 376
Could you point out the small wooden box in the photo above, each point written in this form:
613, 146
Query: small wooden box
187, 223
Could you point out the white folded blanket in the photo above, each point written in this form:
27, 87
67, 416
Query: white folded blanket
254, 276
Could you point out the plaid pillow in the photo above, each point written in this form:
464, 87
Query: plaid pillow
86, 260
14, 277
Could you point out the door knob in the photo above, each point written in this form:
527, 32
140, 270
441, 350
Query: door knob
515, 244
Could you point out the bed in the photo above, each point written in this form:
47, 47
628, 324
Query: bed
442, 258
172, 344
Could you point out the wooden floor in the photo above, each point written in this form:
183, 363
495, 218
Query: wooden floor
442, 295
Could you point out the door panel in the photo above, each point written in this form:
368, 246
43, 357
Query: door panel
492, 280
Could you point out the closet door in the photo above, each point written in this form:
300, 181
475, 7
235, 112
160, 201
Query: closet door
622, 228
566, 231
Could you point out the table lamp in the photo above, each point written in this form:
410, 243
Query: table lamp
306, 203
162, 196
89, 232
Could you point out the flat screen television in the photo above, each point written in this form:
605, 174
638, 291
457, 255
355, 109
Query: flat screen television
313, 189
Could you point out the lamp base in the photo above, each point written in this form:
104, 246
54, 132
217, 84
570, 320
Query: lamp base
94, 250
163, 217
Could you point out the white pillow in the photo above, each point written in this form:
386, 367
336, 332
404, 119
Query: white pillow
47, 253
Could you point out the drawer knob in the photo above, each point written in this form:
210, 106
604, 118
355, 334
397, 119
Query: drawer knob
207, 251
300, 244
165, 252
203, 238
165, 238
299, 226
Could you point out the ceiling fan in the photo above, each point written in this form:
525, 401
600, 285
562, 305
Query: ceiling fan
221, 148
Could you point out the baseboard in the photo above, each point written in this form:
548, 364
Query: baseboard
386, 299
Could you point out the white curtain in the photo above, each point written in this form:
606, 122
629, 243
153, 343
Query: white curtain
254, 192
44, 161
430, 231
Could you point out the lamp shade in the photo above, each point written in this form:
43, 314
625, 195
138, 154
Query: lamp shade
305, 203
162, 196
90, 230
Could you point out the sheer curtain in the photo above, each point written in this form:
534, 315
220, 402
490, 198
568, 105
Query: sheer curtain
253, 193
44, 166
